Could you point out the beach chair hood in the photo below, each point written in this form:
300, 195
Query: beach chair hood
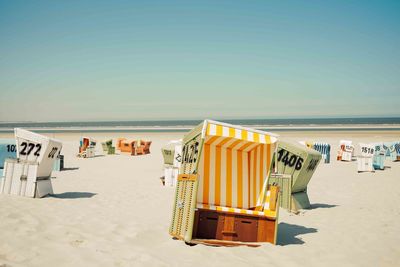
37, 148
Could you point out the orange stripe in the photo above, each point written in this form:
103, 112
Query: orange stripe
261, 166
244, 135
267, 139
211, 140
234, 144
256, 137
218, 176
231, 132
240, 179
219, 130
246, 145
224, 141
229, 177
254, 177
206, 179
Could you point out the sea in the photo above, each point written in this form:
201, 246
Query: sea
309, 124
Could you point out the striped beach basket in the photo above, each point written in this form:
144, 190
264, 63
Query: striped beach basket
324, 149
222, 195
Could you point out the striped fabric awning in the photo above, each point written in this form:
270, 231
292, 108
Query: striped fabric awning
234, 165
241, 133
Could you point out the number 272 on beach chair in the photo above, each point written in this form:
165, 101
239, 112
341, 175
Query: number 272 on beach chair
222, 197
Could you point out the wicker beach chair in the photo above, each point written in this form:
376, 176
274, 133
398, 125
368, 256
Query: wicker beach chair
29, 175
144, 148
222, 196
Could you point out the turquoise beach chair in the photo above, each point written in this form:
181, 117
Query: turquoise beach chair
394, 150
8, 149
379, 157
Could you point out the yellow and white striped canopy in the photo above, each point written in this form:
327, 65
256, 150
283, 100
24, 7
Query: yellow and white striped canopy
234, 165
214, 128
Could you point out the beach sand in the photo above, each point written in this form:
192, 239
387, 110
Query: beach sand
113, 211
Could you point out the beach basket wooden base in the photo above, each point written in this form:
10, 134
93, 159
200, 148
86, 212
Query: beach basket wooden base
212, 227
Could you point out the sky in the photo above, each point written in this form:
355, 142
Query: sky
151, 60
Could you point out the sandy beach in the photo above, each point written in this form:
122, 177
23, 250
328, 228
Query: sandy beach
113, 211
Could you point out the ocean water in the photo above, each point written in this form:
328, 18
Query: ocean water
333, 124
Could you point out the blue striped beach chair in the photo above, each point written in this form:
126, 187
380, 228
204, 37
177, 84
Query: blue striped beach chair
324, 149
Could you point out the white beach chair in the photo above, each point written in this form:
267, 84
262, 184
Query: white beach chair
365, 159
346, 150
172, 154
29, 174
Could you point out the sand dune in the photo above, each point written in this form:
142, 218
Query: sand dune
113, 211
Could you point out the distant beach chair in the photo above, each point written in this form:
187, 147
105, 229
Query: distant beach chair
294, 166
143, 148
128, 146
346, 150
8, 149
119, 143
394, 151
386, 146
379, 156
222, 196
29, 174
59, 163
108, 147
365, 159
172, 155
87, 147
321, 147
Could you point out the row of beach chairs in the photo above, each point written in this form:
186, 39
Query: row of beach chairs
134, 147
229, 187
87, 147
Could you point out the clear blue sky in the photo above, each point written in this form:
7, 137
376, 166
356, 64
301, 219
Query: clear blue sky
127, 60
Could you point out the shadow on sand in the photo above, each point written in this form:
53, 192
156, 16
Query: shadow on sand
73, 195
287, 234
70, 169
321, 206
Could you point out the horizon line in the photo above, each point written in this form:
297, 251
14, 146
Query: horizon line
201, 119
